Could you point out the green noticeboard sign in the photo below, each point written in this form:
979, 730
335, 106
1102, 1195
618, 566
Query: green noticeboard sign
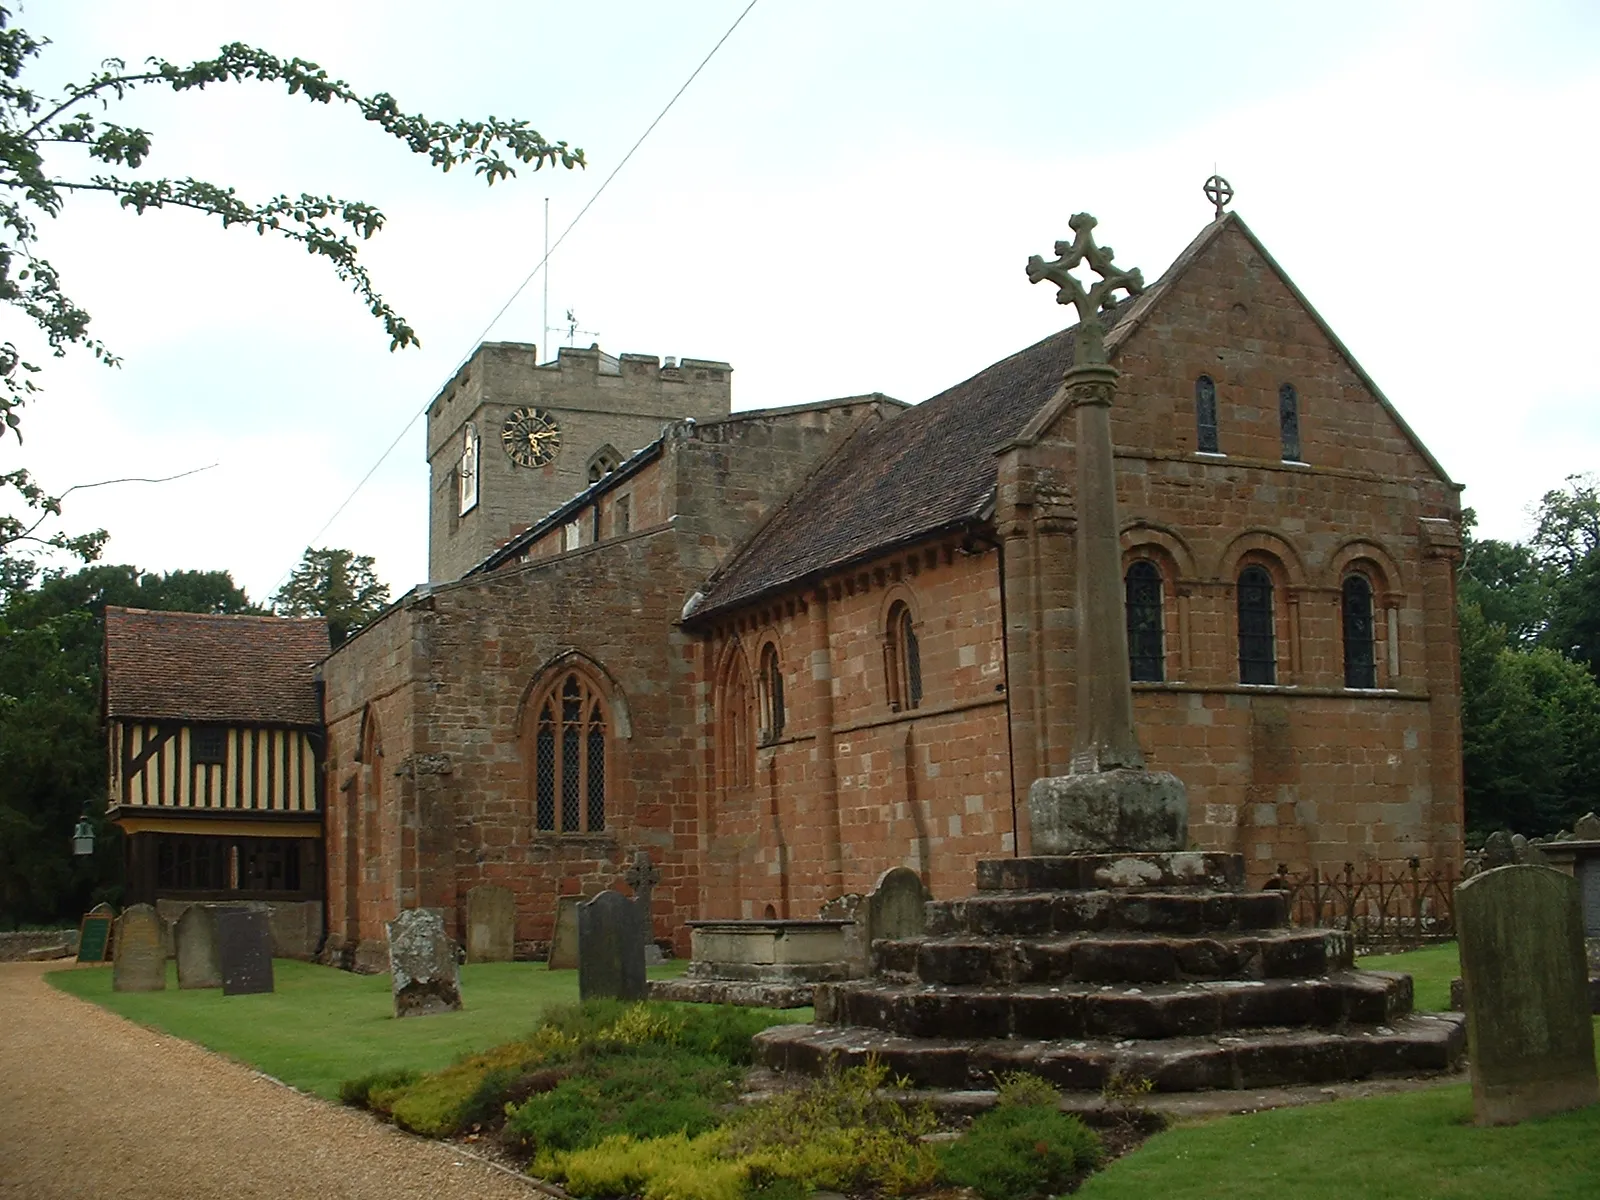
94, 938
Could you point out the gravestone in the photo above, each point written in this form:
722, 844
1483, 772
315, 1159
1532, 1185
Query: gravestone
564, 942
1531, 1043
491, 924
139, 962
422, 964
896, 908
244, 949
611, 937
199, 957
1587, 828
1498, 850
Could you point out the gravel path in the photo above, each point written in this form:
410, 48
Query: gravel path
92, 1105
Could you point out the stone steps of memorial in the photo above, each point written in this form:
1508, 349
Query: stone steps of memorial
1216, 871
1419, 1043
1035, 914
1116, 1011
1111, 958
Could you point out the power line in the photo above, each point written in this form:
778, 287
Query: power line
493, 321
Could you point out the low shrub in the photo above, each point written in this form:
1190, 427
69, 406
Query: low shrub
358, 1092
651, 1092
1018, 1151
1026, 1090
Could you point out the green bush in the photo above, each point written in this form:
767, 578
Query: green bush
724, 1031
651, 1092
358, 1092
1019, 1151
1026, 1090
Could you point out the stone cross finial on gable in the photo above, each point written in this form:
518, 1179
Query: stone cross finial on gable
642, 876
1098, 296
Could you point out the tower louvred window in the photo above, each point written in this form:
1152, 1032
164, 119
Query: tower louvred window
569, 758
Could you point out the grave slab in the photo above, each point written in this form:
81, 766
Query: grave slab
611, 937
422, 964
140, 954
199, 958
491, 923
244, 949
1526, 981
564, 943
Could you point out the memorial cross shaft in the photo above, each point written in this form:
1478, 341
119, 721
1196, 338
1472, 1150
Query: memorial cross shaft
1104, 737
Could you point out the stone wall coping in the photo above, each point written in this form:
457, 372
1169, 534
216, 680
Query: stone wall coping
753, 924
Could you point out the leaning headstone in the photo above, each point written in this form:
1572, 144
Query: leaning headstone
611, 937
491, 924
1498, 850
564, 942
896, 908
422, 964
140, 962
244, 949
1588, 828
199, 958
1531, 1042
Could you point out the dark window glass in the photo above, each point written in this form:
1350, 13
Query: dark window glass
771, 695
913, 656
597, 771
186, 863
1289, 422
1360, 664
1257, 660
1205, 414
208, 745
1146, 662
571, 778
545, 769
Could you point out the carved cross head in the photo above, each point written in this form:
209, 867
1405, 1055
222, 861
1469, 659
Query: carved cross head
643, 875
1090, 301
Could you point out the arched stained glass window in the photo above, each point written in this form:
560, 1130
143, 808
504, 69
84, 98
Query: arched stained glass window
569, 759
1360, 662
1289, 422
771, 688
1257, 653
1146, 659
904, 660
1205, 415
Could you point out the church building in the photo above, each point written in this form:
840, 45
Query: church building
785, 649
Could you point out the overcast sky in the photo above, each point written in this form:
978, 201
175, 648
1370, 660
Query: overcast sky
842, 202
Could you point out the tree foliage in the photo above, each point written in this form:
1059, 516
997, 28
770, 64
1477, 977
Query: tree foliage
1530, 648
52, 745
337, 584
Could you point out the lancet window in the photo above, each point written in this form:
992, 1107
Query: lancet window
1360, 661
1205, 415
903, 659
1257, 652
1146, 659
1289, 422
770, 688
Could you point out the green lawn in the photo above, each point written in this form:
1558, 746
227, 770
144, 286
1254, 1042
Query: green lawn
323, 1026
1416, 1144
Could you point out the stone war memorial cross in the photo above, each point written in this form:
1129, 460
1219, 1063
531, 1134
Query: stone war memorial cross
1109, 801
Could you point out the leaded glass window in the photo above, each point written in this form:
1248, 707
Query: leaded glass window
903, 659
569, 759
1289, 422
1205, 415
1146, 660
1360, 663
1257, 655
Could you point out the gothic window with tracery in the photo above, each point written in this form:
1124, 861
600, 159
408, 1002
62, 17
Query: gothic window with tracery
1360, 661
770, 686
1257, 652
1146, 658
904, 659
1205, 415
1289, 422
569, 758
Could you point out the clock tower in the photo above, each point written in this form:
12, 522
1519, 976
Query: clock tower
511, 438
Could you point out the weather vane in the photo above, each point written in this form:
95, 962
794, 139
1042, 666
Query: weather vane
1219, 191
1090, 303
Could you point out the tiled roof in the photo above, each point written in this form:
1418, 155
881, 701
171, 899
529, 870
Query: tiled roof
930, 468
205, 667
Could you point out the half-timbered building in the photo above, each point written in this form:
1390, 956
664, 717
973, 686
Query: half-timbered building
214, 731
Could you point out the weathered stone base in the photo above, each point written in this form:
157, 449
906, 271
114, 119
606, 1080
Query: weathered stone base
1421, 1043
1458, 994
730, 991
1108, 810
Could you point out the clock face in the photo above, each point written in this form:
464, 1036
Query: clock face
531, 437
